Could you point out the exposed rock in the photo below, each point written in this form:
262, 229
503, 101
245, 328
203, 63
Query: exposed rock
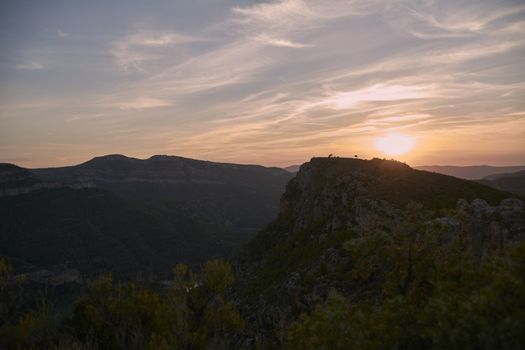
54, 278
331, 197
492, 227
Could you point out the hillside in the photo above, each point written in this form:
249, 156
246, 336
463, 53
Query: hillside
470, 172
513, 182
364, 254
94, 231
337, 209
15, 180
127, 215
293, 168
241, 197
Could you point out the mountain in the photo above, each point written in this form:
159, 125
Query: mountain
293, 168
364, 254
240, 197
470, 172
336, 210
126, 215
15, 180
513, 182
49, 226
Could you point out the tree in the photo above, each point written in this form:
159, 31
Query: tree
418, 288
192, 313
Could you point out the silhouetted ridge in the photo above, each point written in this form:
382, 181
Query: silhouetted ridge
513, 182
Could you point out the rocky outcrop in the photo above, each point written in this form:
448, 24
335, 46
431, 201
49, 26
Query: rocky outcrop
331, 196
53, 277
492, 227
343, 199
16, 181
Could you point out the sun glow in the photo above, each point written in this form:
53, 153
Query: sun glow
394, 144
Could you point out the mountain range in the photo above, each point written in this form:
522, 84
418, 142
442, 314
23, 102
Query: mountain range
348, 254
121, 214
513, 182
474, 172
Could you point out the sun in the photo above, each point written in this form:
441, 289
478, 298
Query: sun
394, 144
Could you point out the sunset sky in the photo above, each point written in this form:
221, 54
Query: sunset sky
266, 82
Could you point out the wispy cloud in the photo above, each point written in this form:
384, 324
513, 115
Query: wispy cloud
30, 65
61, 33
350, 99
133, 51
280, 42
144, 102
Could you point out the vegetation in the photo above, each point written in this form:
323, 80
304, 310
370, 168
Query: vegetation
192, 312
95, 232
399, 184
142, 215
350, 263
513, 182
416, 288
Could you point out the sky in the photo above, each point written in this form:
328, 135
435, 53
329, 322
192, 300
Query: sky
265, 82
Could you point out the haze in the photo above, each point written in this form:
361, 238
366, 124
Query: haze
272, 83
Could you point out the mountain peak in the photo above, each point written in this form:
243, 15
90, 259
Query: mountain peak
113, 157
163, 157
324, 184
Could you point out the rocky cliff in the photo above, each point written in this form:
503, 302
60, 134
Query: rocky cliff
332, 204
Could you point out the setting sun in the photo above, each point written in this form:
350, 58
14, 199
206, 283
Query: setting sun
394, 144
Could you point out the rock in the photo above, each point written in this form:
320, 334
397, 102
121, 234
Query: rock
489, 227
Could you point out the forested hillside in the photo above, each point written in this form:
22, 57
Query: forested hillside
364, 254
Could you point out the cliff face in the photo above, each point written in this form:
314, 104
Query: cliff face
241, 197
361, 194
161, 170
16, 181
333, 203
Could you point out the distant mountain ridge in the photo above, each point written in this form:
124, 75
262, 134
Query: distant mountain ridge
121, 214
15, 180
513, 182
470, 172
293, 168
241, 196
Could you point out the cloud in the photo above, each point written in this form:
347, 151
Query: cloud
280, 42
144, 102
30, 65
277, 13
61, 33
437, 20
375, 93
131, 52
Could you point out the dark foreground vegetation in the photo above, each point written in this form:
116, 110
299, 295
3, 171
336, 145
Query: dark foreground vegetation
406, 291
189, 312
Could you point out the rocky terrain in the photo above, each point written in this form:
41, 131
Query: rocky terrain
332, 204
363, 254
